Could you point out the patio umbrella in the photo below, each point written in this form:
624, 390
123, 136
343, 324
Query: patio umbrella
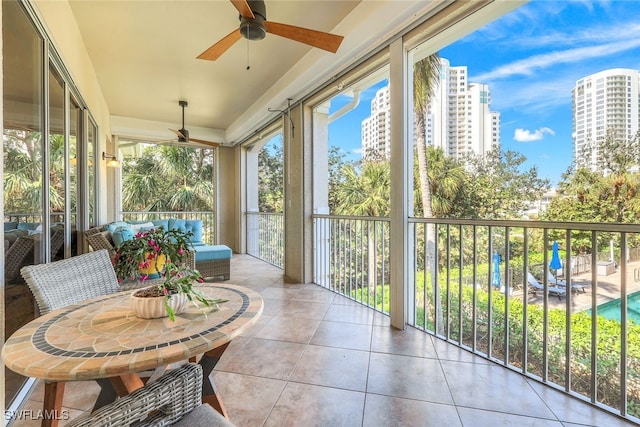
497, 281
555, 263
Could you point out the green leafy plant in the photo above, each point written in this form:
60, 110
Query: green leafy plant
179, 279
154, 248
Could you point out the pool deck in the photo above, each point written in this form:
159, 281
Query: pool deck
608, 288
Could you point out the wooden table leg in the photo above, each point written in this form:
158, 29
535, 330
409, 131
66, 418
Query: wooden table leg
126, 383
209, 393
52, 406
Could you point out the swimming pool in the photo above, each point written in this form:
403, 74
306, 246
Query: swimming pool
611, 309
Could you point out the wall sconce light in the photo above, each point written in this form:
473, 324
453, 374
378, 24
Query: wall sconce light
113, 160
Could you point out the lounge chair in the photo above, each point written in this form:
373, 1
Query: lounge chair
575, 287
551, 290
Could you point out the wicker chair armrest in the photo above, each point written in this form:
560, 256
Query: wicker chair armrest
17, 256
168, 399
99, 240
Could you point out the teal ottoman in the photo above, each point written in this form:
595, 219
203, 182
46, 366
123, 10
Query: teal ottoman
213, 260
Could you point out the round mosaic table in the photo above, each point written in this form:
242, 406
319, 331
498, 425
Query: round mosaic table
101, 338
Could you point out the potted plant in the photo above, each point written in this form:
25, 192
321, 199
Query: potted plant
170, 297
159, 254
148, 252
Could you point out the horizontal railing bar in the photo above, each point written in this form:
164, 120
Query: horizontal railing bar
574, 226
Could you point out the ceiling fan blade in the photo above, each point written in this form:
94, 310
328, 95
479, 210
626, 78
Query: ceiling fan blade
319, 39
177, 132
203, 142
243, 8
221, 46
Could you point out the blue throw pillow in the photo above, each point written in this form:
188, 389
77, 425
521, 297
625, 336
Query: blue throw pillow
115, 225
10, 225
121, 235
194, 226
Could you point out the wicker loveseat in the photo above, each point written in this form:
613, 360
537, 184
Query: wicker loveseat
209, 260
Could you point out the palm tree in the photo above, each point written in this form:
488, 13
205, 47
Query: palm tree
446, 177
426, 78
365, 191
168, 178
426, 74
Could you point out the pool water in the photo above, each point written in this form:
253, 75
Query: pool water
611, 310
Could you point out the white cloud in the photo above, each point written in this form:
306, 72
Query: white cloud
525, 135
529, 66
357, 150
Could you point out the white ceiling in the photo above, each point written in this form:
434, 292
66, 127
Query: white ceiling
144, 54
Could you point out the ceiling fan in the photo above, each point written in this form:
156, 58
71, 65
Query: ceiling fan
183, 134
254, 26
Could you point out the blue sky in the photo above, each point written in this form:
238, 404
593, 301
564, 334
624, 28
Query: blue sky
531, 59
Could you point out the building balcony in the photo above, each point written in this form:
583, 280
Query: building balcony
319, 358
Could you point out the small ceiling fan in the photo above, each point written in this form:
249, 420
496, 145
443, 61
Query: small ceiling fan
183, 134
254, 26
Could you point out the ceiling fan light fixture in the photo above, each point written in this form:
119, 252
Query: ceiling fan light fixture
253, 29
185, 135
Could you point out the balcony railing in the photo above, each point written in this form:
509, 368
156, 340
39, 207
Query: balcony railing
351, 257
208, 220
583, 340
265, 237
34, 217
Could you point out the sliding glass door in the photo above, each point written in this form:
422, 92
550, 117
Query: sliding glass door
49, 145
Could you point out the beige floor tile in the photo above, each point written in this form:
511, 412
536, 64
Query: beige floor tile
289, 329
333, 367
313, 406
248, 399
408, 377
273, 306
350, 314
264, 358
479, 418
343, 335
316, 295
260, 324
492, 387
570, 409
304, 310
409, 342
385, 411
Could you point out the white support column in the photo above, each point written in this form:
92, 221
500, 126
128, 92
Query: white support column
297, 196
228, 200
251, 201
321, 234
400, 183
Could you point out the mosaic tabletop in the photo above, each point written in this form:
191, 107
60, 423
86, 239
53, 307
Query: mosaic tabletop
101, 337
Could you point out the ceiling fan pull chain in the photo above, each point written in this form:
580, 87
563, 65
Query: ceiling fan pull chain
248, 65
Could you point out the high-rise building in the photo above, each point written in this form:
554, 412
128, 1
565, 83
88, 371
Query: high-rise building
604, 102
376, 129
459, 119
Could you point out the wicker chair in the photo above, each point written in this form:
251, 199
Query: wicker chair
18, 255
68, 281
174, 399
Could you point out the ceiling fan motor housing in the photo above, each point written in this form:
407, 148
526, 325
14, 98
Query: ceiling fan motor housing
253, 29
185, 134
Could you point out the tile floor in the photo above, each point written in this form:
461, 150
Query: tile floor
317, 359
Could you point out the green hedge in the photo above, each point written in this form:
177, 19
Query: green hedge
608, 341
